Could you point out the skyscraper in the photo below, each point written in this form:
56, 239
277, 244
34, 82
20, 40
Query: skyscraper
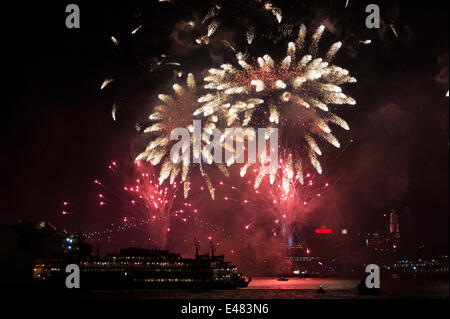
393, 222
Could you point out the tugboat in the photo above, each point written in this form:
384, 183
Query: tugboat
283, 270
320, 290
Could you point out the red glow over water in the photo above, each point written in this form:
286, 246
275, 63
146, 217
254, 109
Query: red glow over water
302, 283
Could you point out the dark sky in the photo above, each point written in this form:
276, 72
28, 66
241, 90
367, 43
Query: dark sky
59, 135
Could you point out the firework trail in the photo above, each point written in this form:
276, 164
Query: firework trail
277, 13
136, 30
115, 41
366, 42
287, 200
105, 83
392, 26
144, 203
114, 111
157, 203
67, 208
217, 16
176, 111
292, 95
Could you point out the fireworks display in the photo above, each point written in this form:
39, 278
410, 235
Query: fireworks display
293, 95
272, 146
212, 20
144, 203
297, 95
151, 212
177, 111
287, 200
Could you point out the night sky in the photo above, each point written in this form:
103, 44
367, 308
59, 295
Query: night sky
59, 135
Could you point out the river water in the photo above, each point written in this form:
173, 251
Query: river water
303, 288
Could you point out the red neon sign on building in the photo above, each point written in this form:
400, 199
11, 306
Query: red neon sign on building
323, 230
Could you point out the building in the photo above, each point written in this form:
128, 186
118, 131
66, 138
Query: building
27, 245
393, 222
382, 247
28, 249
323, 250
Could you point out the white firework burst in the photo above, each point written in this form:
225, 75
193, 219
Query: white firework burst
293, 95
176, 111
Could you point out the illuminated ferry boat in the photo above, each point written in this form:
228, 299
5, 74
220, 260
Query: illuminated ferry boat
136, 268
